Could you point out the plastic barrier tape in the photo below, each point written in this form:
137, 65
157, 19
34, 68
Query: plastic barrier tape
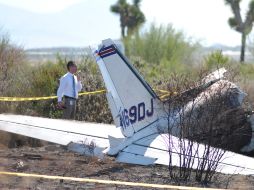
21, 99
88, 180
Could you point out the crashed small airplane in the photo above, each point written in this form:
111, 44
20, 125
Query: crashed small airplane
143, 124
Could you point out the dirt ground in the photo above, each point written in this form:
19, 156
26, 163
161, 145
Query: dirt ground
53, 159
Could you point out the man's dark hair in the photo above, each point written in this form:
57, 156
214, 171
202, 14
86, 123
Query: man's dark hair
70, 64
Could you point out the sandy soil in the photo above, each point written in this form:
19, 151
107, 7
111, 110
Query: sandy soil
55, 160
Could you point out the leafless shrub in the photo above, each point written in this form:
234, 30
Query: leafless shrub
211, 115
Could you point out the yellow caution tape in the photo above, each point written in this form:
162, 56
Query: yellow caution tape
165, 94
20, 99
162, 91
88, 180
90, 93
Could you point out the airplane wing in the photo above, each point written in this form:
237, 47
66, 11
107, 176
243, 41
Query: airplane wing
93, 139
154, 149
76, 135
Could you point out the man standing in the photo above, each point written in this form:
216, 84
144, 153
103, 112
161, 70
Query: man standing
69, 87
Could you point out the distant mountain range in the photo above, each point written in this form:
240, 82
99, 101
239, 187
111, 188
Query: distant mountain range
223, 47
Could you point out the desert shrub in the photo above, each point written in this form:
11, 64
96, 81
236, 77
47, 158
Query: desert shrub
246, 71
13, 71
216, 59
45, 83
21, 79
45, 80
246, 80
14, 82
163, 49
214, 120
12, 66
93, 108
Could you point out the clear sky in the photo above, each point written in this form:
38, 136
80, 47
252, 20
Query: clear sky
50, 23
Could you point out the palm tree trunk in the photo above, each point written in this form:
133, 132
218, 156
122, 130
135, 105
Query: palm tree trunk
243, 47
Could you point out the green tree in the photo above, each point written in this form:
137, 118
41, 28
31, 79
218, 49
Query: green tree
237, 23
131, 17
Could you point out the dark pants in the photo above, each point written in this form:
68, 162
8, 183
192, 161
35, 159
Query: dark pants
70, 110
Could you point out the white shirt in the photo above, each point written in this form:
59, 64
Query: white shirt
66, 86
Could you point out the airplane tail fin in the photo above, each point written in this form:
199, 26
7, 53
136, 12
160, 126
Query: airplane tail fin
132, 101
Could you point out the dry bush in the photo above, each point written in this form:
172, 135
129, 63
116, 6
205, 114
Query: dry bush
211, 116
13, 72
93, 108
10, 58
13, 82
45, 77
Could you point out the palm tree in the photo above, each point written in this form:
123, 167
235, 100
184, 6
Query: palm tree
236, 22
131, 17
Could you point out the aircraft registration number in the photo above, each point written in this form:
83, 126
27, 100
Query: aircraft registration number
135, 114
